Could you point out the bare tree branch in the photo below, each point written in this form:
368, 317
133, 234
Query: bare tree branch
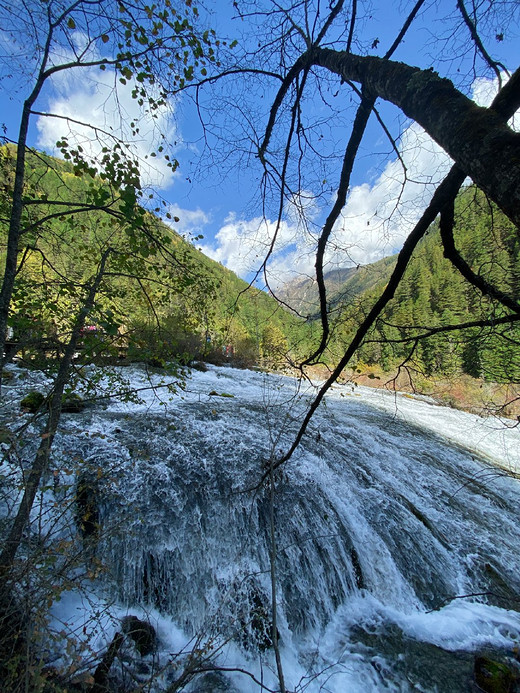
494, 65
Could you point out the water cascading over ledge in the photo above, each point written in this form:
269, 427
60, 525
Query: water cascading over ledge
377, 520
374, 505
195, 537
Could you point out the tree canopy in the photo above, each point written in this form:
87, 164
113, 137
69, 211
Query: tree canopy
326, 82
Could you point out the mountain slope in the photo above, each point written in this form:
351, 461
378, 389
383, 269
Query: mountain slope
434, 295
343, 285
159, 291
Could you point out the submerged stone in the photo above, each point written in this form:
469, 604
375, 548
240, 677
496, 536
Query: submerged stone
492, 676
142, 633
32, 402
5, 435
72, 404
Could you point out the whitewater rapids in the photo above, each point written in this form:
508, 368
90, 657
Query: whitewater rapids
397, 531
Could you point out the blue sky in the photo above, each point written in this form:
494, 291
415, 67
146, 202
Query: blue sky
222, 201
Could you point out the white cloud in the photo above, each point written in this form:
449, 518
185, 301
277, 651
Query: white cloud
374, 223
302, 209
96, 97
242, 245
377, 218
191, 221
484, 91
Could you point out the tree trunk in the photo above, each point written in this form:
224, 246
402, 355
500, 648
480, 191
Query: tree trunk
15, 222
42, 456
14, 231
103, 668
476, 138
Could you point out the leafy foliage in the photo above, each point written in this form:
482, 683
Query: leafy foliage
161, 299
434, 295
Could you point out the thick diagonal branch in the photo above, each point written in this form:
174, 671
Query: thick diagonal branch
476, 138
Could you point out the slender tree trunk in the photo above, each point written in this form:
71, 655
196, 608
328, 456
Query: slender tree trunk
274, 608
42, 456
12, 618
15, 222
14, 230
103, 668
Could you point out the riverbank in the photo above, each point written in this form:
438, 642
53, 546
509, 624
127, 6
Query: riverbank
460, 392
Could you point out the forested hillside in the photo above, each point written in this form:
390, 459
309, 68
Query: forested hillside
432, 295
343, 285
168, 300
162, 299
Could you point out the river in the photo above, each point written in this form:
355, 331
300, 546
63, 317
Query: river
396, 525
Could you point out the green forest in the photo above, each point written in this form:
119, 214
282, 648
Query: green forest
163, 300
432, 294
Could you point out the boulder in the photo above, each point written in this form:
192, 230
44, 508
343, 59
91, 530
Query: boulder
87, 512
494, 677
32, 402
142, 633
72, 403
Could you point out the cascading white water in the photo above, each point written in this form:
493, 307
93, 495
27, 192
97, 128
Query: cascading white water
380, 523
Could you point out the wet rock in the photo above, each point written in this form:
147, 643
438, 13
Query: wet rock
493, 676
256, 624
153, 579
142, 633
5, 435
358, 572
87, 509
214, 682
72, 404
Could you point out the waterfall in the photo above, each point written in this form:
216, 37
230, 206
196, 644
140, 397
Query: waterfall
384, 522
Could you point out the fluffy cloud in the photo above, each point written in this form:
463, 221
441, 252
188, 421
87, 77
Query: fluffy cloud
96, 97
241, 245
191, 221
484, 91
374, 223
377, 218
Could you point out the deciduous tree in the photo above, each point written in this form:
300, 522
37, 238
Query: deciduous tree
150, 49
332, 79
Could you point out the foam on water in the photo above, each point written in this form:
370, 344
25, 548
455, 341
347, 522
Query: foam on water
388, 513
